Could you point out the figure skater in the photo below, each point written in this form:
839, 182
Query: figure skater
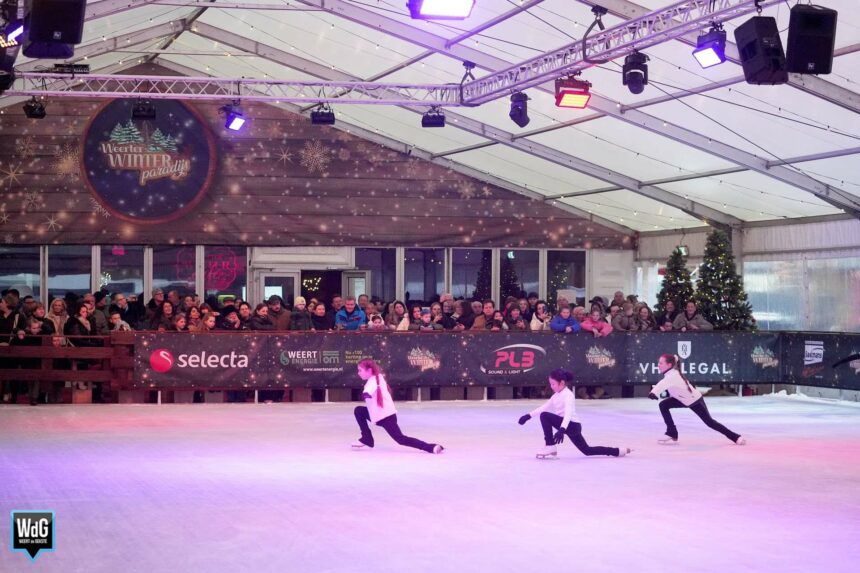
559, 413
682, 394
380, 410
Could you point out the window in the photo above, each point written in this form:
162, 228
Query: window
424, 274
19, 269
382, 265
173, 268
834, 294
69, 270
122, 269
775, 291
565, 273
518, 273
226, 271
471, 273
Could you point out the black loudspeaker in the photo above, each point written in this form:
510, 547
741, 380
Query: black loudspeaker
811, 37
761, 51
55, 21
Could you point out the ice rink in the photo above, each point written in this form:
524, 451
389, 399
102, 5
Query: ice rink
243, 487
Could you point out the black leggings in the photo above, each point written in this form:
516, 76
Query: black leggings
701, 410
389, 424
551, 422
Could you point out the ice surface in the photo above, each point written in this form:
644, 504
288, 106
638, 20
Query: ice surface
242, 487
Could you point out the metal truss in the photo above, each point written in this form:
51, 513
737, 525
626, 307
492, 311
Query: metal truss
639, 33
203, 88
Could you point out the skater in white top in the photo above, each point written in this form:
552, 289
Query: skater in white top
380, 410
559, 414
681, 394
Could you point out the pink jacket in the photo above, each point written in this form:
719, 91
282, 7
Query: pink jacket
602, 327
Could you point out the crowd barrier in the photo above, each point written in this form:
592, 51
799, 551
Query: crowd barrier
253, 360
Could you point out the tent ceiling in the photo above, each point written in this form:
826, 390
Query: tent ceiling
379, 41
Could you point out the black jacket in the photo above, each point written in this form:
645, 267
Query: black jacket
301, 320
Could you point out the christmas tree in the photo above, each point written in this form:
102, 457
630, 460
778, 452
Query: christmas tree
559, 279
510, 281
160, 142
482, 283
124, 134
720, 294
677, 284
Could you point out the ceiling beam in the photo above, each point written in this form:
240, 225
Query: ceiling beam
481, 129
422, 154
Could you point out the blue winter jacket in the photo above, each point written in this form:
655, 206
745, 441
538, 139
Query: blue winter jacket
558, 324
349, 321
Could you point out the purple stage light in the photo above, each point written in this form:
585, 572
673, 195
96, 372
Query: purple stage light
440, 9
711, 48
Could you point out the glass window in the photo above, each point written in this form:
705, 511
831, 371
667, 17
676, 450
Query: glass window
19, 269
173, 268
69, 269
834, 294
382, 265
471, 273
518, 273
565, 272
424, 274
775, 291
226, 271
122, 269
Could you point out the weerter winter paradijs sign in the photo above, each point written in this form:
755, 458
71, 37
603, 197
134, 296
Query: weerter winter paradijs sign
149, 171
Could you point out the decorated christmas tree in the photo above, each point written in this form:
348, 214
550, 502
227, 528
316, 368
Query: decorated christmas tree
677, 284
720, 294
160, 142
510, 281
482, 283
559, 279
124, 134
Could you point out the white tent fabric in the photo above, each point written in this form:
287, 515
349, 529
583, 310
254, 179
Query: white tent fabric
779, 123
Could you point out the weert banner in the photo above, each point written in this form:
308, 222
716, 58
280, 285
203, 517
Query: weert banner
173, 360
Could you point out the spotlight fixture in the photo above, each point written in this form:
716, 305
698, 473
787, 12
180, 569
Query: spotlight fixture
143, 110
519, 113
34, 109
711, 47
433, 118
233, 114
571, 92
323, 115
440, 9
635, 72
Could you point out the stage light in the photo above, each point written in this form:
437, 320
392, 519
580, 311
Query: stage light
440, 9
234, 120
143, 110
635, 72
34, 109
12, 38
711, 47
571, 92
433, 118
323, 115
519, 113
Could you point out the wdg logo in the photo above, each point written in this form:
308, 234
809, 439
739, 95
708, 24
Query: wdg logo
32, 531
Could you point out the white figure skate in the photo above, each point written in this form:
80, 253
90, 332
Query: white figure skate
547, 453
624, 451
668, 441
357, 445
742, 441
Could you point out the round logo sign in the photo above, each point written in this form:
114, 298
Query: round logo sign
161, 360
148, 171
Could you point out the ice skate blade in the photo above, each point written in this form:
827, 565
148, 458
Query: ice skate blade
546, 456
668, 442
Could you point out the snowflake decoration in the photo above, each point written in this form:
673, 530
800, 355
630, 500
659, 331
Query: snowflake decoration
98, 209
4, 217
52, 223
67, 160
105, 279
11, 174
26, 147
315, 157
486, 191
466, 190
411, 168
32, 200
344, 154
285, 156
7, 238
429, 187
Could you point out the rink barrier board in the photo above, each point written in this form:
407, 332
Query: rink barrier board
328, 360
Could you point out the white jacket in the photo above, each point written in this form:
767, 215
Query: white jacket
562, 404
678, 388
387, 409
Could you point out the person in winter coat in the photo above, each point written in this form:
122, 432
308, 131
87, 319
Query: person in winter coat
644, 319
516, 321
596, 325
541, 317
690, 320
30, 337
625, 321
300, 319
58, 314
666, 320
564, 323
397, 318
281, 317
426, 323
261, 320
350, 317
321, 321
463, 315
47, 324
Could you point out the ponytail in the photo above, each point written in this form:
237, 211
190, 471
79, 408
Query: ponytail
675, 362
373, 367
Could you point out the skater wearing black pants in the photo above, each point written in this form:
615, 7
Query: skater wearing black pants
380, 410
558, 419
682, 394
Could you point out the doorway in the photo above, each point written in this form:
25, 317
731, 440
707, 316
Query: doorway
285, 285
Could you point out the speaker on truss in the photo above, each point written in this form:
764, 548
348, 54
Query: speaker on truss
761, 51
811, 37
53, 27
